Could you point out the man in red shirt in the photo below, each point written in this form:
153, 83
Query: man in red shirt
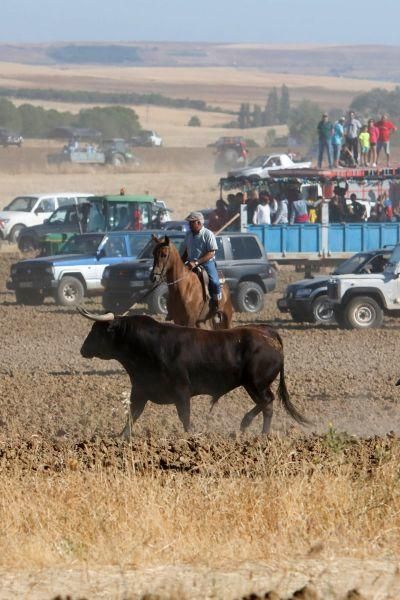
385, 129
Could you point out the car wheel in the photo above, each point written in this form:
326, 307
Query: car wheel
29, 297
323, 310
116, 304
118, 160
70, 292
249, 297
363, 312
15, 232
157, 301
27, 244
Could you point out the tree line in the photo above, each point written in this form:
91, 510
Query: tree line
37, 122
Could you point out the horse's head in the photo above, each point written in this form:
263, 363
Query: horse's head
161, 254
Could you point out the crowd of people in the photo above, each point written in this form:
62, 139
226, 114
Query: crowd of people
348, 142
265, 209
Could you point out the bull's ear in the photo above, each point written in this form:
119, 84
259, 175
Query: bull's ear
166, 240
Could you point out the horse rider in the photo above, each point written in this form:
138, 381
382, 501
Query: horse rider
200, 247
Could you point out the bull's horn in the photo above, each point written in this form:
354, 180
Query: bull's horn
88, 315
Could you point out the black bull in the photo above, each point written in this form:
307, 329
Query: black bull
169, 364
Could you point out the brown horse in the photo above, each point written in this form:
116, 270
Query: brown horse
186, 302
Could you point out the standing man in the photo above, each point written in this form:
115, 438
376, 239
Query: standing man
337, 140
385, 129
325, 132
262, 214
200, 247
352, 129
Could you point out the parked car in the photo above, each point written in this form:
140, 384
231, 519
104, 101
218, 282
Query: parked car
147, 138
33, 209
263, 164
361, 300
307, 300
77, 270
8, 138
240, 256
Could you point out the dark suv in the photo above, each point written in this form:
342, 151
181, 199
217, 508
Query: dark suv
307, 300
240, 256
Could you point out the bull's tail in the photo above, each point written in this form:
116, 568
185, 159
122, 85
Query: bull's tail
289, 407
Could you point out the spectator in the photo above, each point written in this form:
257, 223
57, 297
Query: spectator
378, 214
252, 202
337, 140
387, 205
364, 145
325, 131
299, 209
346, 158
282, 212
336, 212
356, 212
385, 129
262, 214
373, 140
352, 128
219, 216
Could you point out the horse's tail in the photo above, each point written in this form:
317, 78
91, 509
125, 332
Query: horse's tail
284, 396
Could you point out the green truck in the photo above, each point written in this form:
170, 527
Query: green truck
95, 214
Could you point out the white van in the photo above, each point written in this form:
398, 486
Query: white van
33, 209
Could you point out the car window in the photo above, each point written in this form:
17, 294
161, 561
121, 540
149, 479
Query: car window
148, 249
63, 201
47, 205
115, 246
220, 253
58, 216
22, 204
273, 162
136, 243
81, 244
244, 247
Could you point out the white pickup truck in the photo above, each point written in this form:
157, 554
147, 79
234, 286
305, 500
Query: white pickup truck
263, 164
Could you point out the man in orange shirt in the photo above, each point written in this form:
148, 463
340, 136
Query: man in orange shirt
385, 129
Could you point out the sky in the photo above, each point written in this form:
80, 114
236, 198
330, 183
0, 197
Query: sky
257, 21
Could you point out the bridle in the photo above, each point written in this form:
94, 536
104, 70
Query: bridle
162, 274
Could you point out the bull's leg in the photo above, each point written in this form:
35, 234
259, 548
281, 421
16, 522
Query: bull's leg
249, 416
183, 409
136, 407
267, 410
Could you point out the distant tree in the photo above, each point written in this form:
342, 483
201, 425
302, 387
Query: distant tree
378, 101
9, 115
194, 121
257, 119
303, 121
244, 116
112, 121
270, 137
271, 112
284, 105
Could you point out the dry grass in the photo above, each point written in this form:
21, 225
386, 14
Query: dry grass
309, 505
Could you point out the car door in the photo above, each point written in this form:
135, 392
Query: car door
44, 209
111, 251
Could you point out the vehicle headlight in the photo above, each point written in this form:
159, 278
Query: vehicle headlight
4, 221
106, 273
142, 273
303, 293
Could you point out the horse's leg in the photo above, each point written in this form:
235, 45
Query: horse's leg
136, 407
182, 404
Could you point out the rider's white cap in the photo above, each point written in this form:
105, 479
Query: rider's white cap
195, 216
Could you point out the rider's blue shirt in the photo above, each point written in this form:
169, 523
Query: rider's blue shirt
197, 245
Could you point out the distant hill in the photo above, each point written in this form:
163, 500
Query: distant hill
368, 62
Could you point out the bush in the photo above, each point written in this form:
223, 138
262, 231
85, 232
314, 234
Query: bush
194, 121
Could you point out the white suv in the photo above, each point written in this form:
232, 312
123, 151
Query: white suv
25, 211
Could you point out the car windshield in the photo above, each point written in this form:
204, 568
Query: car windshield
395, 256
22, 204
258, 161
353, 264
82, 244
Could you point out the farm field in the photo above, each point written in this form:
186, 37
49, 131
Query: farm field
214, 514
